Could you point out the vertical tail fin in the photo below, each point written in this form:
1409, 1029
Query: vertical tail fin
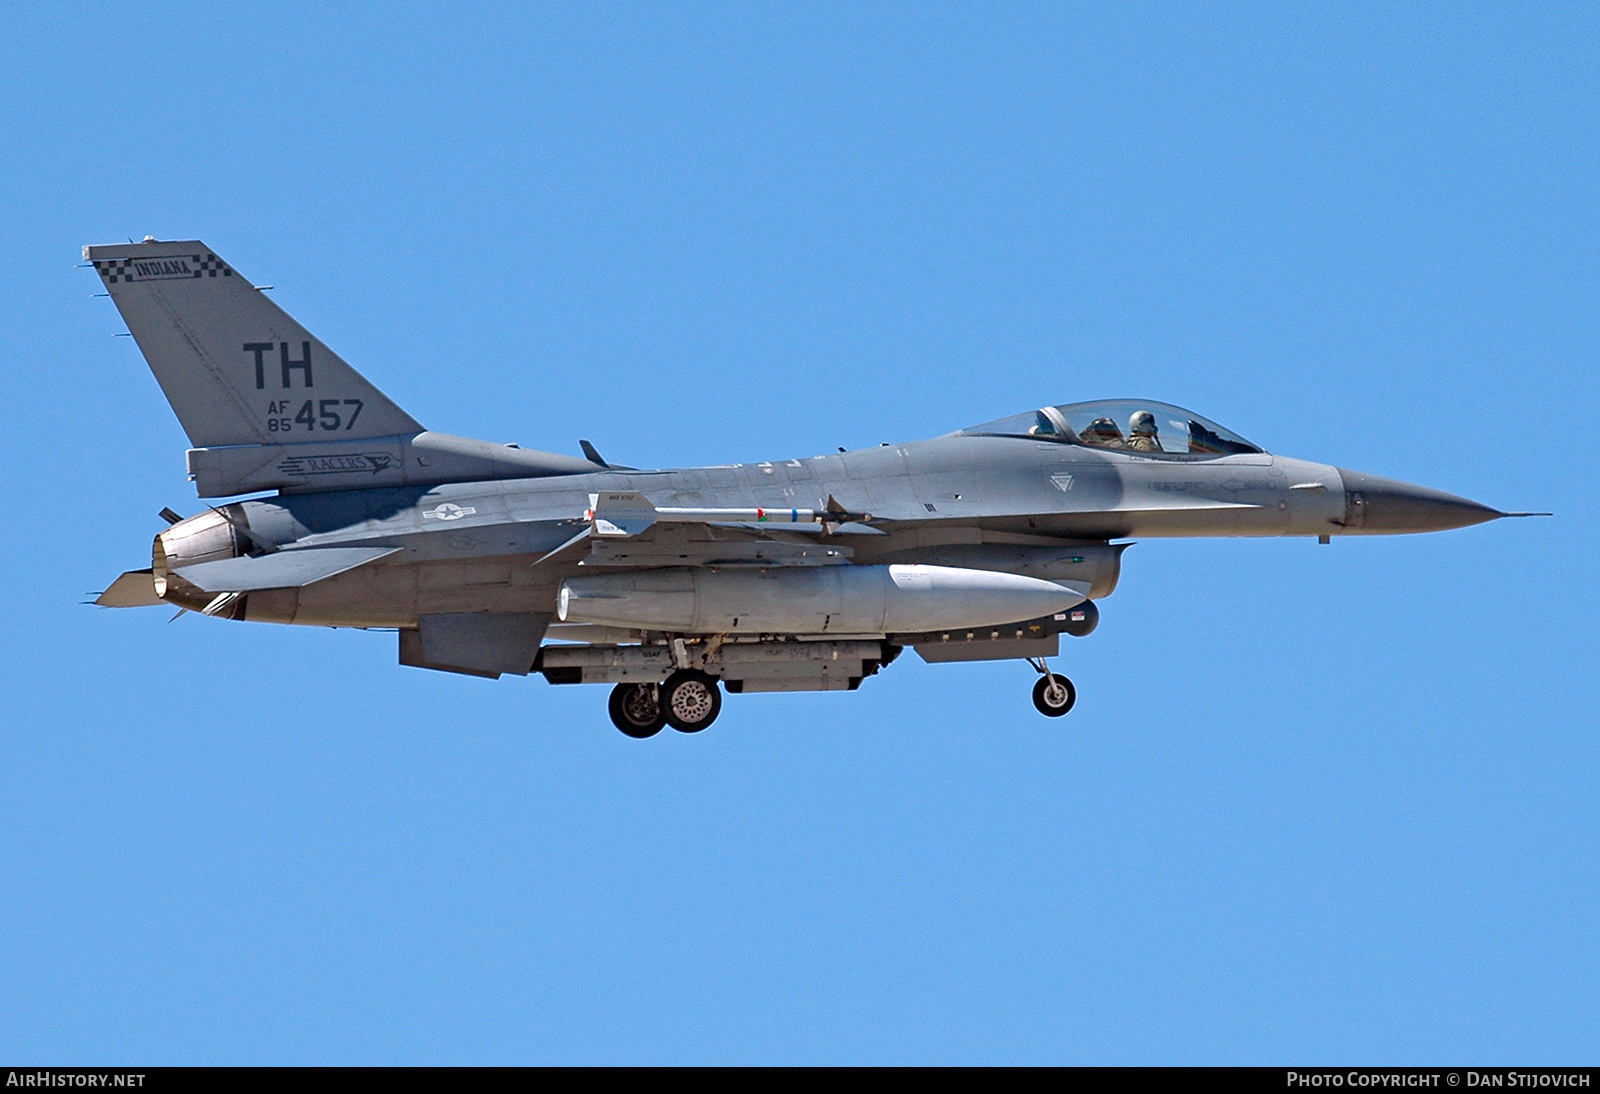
235, 367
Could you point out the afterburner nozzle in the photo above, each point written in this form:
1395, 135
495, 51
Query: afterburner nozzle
204, 537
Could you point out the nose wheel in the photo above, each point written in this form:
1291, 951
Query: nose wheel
1053, 695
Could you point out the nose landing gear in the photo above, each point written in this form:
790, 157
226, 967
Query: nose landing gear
1053, 695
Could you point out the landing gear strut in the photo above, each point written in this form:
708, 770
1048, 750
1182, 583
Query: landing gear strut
636, 709
1053, 695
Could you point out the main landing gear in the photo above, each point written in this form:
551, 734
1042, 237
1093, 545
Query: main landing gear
1053, 695
688, 702
636, 709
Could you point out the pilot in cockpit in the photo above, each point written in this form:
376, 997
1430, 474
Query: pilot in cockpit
1102, 433
1142, 432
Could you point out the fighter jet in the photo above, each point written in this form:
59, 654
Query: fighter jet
675, 585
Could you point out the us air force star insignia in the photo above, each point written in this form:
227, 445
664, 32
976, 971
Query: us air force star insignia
449, 511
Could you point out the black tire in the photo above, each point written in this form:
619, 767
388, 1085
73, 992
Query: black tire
690, 701
636, 709
1042, 696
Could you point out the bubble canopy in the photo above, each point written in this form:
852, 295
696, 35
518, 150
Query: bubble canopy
1132, 425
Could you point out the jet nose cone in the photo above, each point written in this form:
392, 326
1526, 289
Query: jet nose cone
1380, 506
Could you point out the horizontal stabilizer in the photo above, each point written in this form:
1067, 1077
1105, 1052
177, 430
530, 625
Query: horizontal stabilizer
134, 589
283, 570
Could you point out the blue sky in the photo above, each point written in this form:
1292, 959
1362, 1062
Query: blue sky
1315, 804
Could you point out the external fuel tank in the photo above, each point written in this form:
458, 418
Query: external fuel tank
809, 599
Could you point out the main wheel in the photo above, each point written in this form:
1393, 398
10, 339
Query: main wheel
1054, 695
636, 709
690, 701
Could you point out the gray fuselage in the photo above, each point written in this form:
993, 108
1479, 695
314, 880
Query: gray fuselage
470, 546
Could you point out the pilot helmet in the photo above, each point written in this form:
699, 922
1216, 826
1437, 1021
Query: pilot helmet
1142, 422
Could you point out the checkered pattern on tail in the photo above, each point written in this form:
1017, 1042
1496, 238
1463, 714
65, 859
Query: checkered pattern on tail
114, 270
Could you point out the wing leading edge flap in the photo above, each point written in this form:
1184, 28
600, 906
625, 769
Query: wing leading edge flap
282, 570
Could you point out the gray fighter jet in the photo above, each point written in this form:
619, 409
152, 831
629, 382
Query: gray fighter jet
793, 575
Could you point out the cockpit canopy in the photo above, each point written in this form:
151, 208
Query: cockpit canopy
1132, 425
